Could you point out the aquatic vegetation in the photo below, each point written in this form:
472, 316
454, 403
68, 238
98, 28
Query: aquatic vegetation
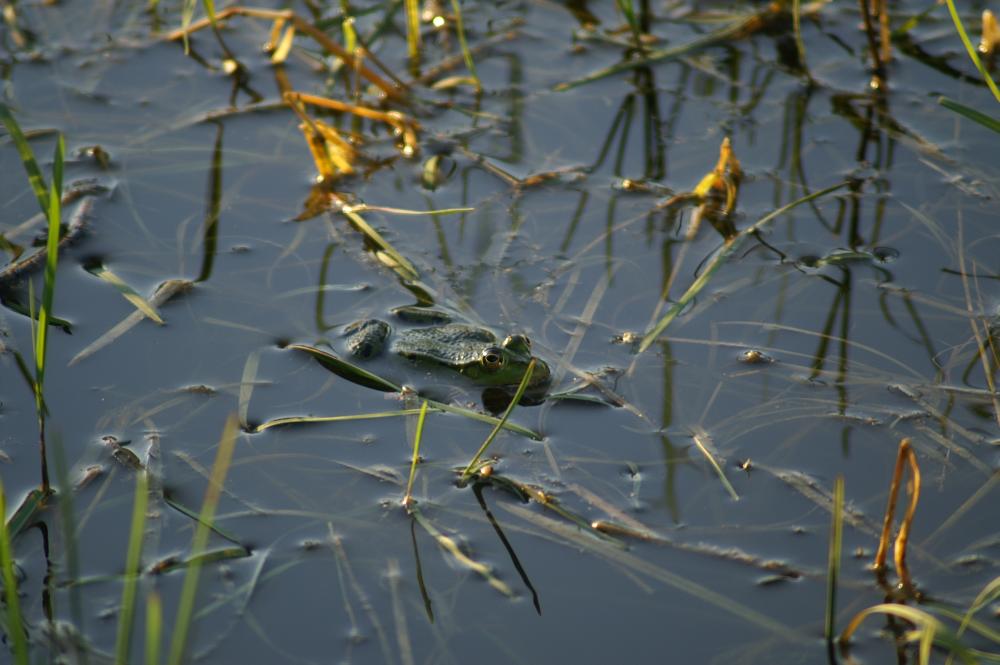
702, 467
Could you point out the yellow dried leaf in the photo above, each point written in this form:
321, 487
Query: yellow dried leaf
284, 46
991, 33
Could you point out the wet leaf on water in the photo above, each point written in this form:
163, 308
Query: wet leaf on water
164, 292
347, 370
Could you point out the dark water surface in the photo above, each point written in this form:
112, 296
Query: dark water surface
858, 297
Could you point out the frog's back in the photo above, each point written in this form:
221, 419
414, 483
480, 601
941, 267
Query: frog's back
454, 344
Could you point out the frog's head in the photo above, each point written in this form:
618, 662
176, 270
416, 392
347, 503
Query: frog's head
506, 364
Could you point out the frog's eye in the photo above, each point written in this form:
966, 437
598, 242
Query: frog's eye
517, 343
493, 358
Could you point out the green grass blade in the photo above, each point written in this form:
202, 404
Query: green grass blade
38, 184
347, 370
485, 418
15, 625
154, 628
51, 260
833, 562
130, 294
972, 114
26, 512
720, 258
408, 496
470, 64
185, 609
503, 420
702, 441
302, 420
132, 565
971, 50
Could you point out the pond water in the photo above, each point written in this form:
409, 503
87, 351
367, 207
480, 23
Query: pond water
848, 322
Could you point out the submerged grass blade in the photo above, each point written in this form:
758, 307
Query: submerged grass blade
408, 496
833, 560
15, 625
525, 380
246, 387
213, 492
720, 258
133, 563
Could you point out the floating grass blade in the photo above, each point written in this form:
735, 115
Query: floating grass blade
833, 560
213, 492
246, 387
133, 561
525, 380
971, 50
347, 370
724, 253
127, 291
15, 625
302, 420
408, 496
972, 114
703, 442
164, 292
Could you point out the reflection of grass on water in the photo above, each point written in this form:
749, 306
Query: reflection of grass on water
336, 156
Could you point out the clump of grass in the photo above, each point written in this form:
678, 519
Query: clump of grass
50, 201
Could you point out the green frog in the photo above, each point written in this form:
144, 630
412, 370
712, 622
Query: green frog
470, 350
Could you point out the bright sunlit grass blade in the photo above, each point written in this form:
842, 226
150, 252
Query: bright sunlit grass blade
927, 630
525, 380
51, 260
303, 420
408, 496
412, 8
448, 544
127, 291
720, 258
971, 50
833, 560
213, 492
15, 625
133, 562
972, 114
702, 441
